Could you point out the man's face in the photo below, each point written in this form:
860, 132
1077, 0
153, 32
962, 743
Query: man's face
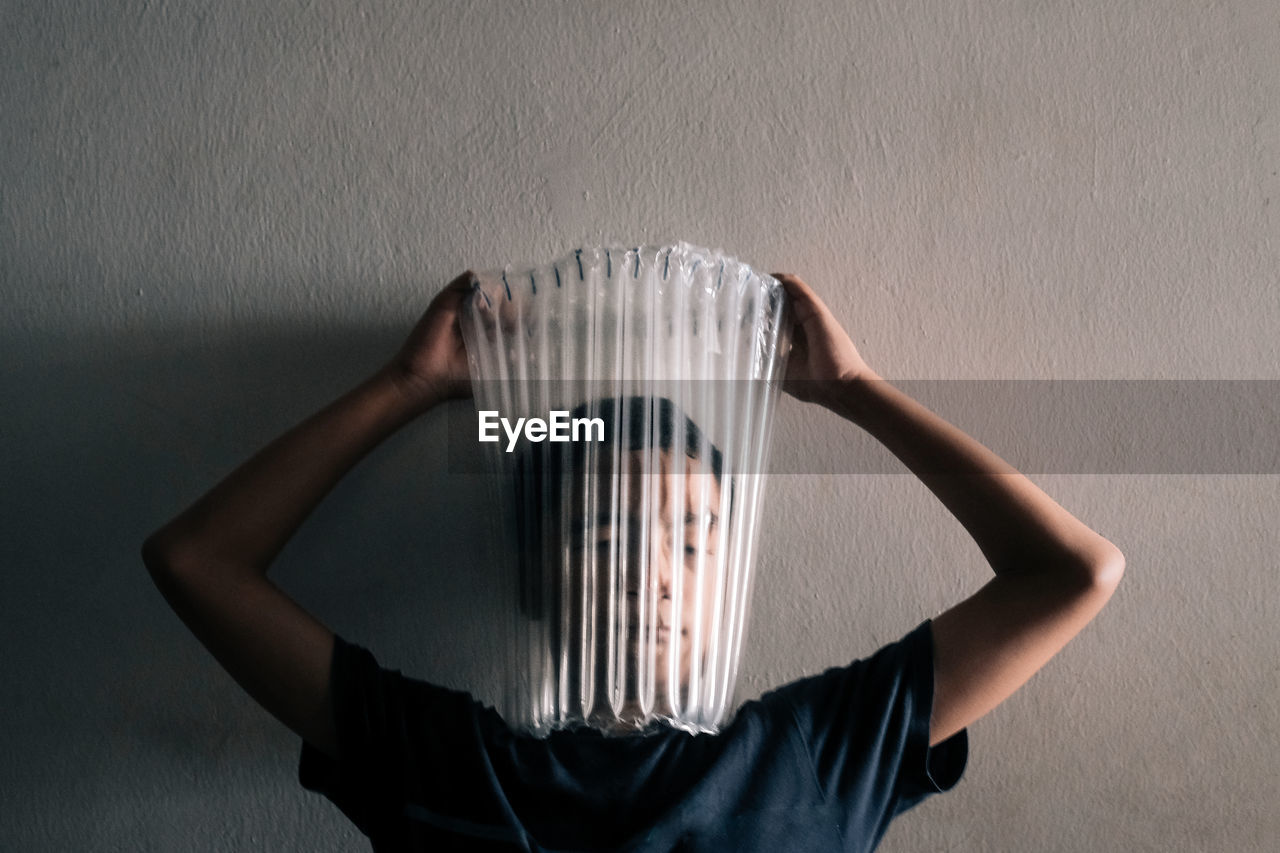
651, 544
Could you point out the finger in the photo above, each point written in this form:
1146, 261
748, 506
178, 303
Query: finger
805, 302
797, 287
464, 281
455, 290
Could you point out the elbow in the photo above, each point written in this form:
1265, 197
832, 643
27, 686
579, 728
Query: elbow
172, 573
1106, 569
1091, 575
160, 554
1097, 567
155, 554
1087, 581
170, 556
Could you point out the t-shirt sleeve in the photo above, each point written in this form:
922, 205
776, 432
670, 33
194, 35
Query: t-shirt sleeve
392, 732
366, 703
866, 729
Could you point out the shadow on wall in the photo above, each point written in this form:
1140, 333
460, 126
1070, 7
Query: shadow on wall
107, 438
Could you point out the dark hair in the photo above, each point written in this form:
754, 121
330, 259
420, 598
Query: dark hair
650, 422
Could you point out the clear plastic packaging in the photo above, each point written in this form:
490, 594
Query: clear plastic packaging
630, 516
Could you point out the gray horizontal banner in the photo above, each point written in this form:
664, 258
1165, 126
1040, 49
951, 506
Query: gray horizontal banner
1053, 426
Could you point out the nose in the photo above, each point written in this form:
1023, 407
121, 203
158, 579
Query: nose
664, 579
657, 567
663, 568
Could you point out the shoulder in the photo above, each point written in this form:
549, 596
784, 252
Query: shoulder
865, 725
899, 670
359, 678
387, 721
396, 738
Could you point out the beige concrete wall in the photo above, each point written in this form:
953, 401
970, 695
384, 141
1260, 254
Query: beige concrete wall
216, 217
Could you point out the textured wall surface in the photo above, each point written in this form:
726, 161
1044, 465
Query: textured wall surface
217, 217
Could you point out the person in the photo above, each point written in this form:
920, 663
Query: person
823, 763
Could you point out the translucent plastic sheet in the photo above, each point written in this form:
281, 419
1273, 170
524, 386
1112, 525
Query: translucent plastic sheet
630, 516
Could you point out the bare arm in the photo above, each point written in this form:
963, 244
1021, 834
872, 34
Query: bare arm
211, 561
1053, 573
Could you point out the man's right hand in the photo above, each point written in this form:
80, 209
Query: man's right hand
431, 365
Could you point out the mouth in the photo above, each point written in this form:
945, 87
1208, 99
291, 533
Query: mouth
659, 632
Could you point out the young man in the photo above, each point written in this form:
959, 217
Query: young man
821, 764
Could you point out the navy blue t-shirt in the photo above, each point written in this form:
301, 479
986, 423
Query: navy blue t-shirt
823, 763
